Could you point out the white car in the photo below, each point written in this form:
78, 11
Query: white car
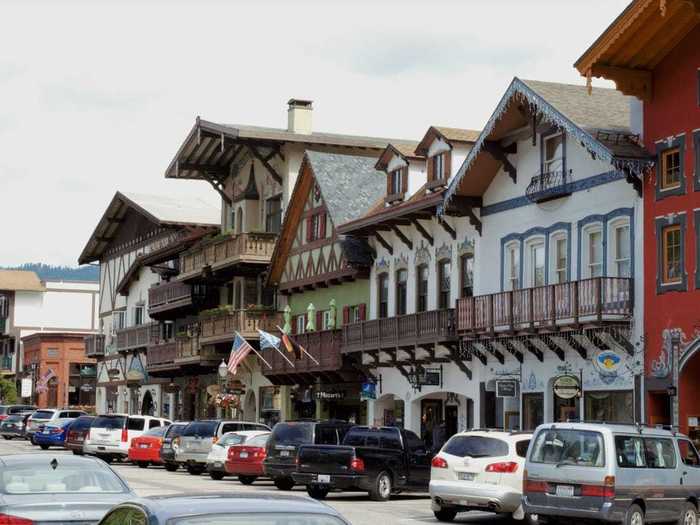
479, 470
45, 416
219, 451
110, 434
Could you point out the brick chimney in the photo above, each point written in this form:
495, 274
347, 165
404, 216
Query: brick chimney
299, 116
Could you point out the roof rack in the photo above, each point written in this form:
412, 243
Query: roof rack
639, 426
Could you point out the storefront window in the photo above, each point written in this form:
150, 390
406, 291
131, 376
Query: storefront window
81, 384
533, 410
612, 406
270, 405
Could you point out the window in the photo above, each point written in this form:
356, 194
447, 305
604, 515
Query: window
355, 314
119, 320
153, 423
595, 253
422, 288
553, 153
316, 227
615, 406
135, 423
444, 274
659, 453
466, 275
475, 447
300, 323
513, 267
239, 220
583, 448
672, 265
621, 236
630, 451
138, 315
689, 455
537, 273
395, 182
326, 436
521, 447
401, 291
670, 169
560, 260
383, 289
438, 166
327, 320
273, 215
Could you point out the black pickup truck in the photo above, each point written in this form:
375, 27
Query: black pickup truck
378, 460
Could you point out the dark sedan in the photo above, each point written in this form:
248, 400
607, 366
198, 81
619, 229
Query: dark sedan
15, 425
224, 509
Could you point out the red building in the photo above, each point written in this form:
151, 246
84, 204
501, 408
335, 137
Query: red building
652, 51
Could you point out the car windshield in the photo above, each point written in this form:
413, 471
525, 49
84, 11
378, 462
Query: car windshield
42, 478
109, 422
258, 441
583, 448
156, 432
204, 429
15, 418
82, 423
261, 518
475, 447
43, 414
175, 430
232, 439
293, 433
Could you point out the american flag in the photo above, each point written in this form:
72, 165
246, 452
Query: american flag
240, 349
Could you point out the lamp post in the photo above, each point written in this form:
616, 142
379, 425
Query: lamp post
223, 374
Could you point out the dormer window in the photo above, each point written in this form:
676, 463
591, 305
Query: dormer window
438, 166
553, 153
396, 184
439, 169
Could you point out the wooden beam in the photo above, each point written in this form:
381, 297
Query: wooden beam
553, 346
580, 349
266, 164
209, 168
621, 340
474, 220
493, 351
218, 186
445, 226
383, 242
512, 350
500, 154
460, 364
597, 341
634, 82
423, 232
402, 237
533, 349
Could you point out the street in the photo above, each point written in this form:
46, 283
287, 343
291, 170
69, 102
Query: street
356, 507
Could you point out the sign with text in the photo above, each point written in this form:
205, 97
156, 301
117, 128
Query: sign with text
506, 388
567, 387
26, 387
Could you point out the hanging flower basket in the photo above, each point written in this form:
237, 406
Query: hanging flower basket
227, 401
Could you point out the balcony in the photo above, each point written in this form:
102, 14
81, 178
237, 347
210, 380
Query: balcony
223, 327
406, 331
170, 299
226, 251
575, 303
550, 185
161, 354
324, 346
134, 337
95, 345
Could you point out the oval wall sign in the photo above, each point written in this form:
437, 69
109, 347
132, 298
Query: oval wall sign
567, 387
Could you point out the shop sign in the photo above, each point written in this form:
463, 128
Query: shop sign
330, 395
86, 388
567, 387
506, 388
113, 373
607, 362
236, 387
88, 370
135, 375
420, 376
369, 391
26, 387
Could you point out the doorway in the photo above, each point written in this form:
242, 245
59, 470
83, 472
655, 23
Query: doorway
147, 407
451, 420
430, 418
565, 409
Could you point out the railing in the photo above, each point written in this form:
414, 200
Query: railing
406, 330
134, 336
245, 322
324, 346
549, 185
169, 295
592, 300
227, 250
6, 362
94, 345
161, 353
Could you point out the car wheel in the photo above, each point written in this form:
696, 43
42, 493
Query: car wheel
8, 438
634, 515
689, 515
247, 480
317, 492
381, 491
44, 447
217, 476
194, 471
31, 440
447, 515
171, 467
142, 464
284, 483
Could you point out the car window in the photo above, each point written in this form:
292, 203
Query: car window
326, 435
125, 515
584, 448
82, 423
62, 415
659, 453
258, 441
373, 437
521, 447
153, 423
475, 447
156, 431
43, 414
231, 427
135, 423
629, 451
109, 422
232, 439
292, 433
204, 429
689, 454
42, 478
414, 443
175, 430
3, 410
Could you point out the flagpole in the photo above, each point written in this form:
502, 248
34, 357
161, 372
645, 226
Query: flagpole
302, 348
281, 353
254, 350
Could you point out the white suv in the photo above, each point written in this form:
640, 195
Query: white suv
110, 434
479, 470
44, 416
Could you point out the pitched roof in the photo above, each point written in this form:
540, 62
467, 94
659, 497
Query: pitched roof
406, 150
447, 134
20, 281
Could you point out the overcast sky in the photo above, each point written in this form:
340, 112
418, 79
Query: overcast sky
97, 96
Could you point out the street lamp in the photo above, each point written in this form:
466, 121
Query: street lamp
223, 374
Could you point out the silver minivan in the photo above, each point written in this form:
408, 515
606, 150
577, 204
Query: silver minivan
630, 474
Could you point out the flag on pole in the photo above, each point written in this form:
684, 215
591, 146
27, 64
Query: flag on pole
267, 340
291, 345
240, 349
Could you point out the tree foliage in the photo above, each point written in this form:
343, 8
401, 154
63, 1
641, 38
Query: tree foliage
49, 272
8, 391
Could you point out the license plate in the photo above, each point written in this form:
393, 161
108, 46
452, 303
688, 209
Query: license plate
323, 478
143, 445
244, 454
284, 453
80, 439
466, 476
218, 464
100, 448
565, 491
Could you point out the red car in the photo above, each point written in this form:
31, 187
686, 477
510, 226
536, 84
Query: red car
145, 449
246, 461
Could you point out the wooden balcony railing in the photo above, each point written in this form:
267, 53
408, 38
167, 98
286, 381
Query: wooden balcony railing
246, 322
134, 336
227, 250
161, 353
95, 345
324, 346
590, 300
402, 331
167, 296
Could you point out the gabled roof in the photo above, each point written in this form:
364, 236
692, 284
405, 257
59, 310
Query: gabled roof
405, 151
599, 122
449, 135
349, 185
20, 281
163, 211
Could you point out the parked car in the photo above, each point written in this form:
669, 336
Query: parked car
15, 425
479, 470
77, 432
167, 452
145, 449
43, 488
287, 437
246, 460
616, 473
219, 451
378, 460
111, 434
220, 509
195, 442
53, 434
9, 410
48, 415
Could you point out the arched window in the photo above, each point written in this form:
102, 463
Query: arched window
383, 295
444, 275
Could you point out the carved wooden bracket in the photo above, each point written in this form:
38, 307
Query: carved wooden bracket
634, 82
500, 153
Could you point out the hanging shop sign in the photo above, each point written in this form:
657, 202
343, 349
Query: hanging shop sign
171, 388
236, 388
369, 391
607, 362
506, 388
135, 375
330, 395
567, 387
420, 376
26, 387
113, 373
